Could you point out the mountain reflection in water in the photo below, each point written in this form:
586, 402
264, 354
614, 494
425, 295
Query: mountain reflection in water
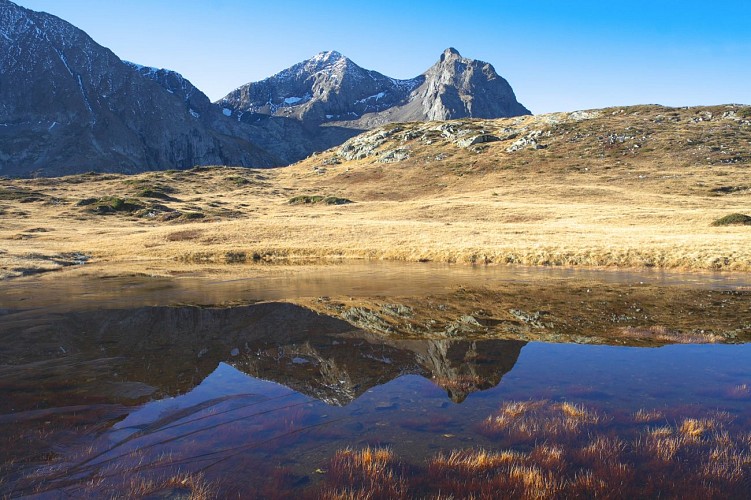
172, 349
259, 398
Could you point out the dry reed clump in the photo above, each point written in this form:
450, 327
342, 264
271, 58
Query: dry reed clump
694, 428
604, 449
190, 486
518, 422
549, 457
466, 473
697, 457
370, 473
181, 485
475, 461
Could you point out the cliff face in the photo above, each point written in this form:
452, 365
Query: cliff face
69, 105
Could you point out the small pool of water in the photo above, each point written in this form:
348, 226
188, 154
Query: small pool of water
108, 388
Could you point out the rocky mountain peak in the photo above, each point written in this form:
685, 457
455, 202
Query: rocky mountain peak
450, 53
68, 104
327, 58
322, 64
328, 99
459, 87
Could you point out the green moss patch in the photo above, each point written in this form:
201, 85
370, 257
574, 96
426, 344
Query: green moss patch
315, 199
21, 195
733, 220
111, 205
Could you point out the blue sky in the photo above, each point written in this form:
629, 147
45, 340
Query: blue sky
558, 55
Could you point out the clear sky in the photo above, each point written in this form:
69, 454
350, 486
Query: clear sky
558, 55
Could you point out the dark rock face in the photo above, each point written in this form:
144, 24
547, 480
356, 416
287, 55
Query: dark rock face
321, 102
69, 105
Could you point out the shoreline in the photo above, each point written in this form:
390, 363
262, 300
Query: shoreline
32, 264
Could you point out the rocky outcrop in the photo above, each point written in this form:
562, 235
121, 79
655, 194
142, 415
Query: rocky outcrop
69, 105
458, 87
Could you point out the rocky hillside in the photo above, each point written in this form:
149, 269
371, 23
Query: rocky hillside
323, 101
641, 186
70, 105
696, 150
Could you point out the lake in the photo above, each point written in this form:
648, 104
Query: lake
124, 387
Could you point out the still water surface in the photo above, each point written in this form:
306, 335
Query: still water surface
359, 279
94, 400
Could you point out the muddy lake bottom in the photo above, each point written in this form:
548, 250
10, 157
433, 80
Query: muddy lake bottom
133, 397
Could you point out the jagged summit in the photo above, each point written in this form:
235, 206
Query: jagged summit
459, 87
329, 61
450, 52
330, 87
444, 91
330, 90
327, 57
327, 87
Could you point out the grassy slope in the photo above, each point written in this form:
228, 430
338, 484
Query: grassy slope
632, 187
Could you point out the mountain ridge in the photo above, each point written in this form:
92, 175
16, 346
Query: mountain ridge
69, 105
328, 99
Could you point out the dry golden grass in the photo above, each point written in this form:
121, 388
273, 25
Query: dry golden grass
369, 473
659, 333
188, 486
523, 422
621, 187
699, 457
694, 428
648, 416
557, 311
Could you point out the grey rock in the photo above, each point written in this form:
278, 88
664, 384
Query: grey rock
397, 310
532, 319
464, 325
366, 319
528, 141
394, 156
478, 139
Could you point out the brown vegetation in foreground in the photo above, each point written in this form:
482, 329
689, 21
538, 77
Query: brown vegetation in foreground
563, 450
628, 187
